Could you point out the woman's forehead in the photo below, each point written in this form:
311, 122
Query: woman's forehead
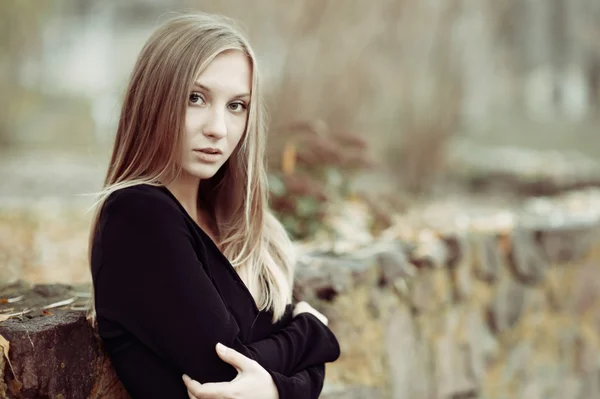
228, 73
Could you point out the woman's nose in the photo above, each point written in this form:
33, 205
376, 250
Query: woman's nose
215, 127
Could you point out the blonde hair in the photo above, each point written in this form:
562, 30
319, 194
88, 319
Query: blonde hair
147, 151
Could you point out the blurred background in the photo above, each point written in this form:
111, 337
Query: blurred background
383, 101
387, 117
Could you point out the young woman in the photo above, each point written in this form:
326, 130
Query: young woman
184, 251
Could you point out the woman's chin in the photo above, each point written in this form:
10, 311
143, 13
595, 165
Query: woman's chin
204, 172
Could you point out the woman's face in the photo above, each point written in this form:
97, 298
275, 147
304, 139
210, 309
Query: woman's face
216, 115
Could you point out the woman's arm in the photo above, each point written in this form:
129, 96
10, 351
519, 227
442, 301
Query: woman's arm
257, 383
306, 384
150, 281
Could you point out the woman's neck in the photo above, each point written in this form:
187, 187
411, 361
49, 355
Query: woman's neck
185, 189
186, 192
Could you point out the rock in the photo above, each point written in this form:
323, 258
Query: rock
324, 277
460, 265
524, 257
482, 347
452, 364
429, 251
456, 248
54, 355
431, 291
571, 387
405, 357
566, 244
394, 264
352, 392
584, 291
361, 336
507, 305
591, 386
565, 227
33, 300
518, 359
486, 255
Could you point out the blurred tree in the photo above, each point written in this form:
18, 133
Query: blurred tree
21, 25
311, 167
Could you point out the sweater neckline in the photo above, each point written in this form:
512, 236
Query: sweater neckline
214, 246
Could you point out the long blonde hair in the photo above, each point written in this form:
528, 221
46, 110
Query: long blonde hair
147, 151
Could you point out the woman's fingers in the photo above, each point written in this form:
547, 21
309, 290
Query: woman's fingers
304, 307
225, 390
204, 391
252, 381
233, 357
322, 317
193, 387
217, 390
300, 307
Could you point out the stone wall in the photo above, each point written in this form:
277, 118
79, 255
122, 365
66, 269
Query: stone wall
505, 307
498, 304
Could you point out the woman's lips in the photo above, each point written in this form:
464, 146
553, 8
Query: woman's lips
207, 155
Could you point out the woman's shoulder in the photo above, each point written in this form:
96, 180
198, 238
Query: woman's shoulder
141, 198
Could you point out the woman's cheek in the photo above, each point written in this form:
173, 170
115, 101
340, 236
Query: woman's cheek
239, 131
193, 119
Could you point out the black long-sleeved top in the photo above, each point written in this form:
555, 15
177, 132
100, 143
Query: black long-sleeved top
165, 295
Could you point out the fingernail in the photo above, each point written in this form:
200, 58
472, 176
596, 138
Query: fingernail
221, 348
186, 378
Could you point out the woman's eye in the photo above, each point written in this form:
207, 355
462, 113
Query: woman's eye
196, 98
237, 107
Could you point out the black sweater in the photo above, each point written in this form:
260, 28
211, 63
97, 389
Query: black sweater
165, 295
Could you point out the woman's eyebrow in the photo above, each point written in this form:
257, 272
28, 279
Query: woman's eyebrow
208, 90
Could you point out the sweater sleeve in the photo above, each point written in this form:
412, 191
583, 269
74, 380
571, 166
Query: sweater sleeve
150, 281
306, 384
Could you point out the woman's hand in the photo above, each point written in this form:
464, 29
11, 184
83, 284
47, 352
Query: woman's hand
304, 307
251, 382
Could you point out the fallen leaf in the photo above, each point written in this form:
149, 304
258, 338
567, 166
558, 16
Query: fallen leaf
15, 299
5, 345
288, 159
60, 303
4, 317
3, 300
